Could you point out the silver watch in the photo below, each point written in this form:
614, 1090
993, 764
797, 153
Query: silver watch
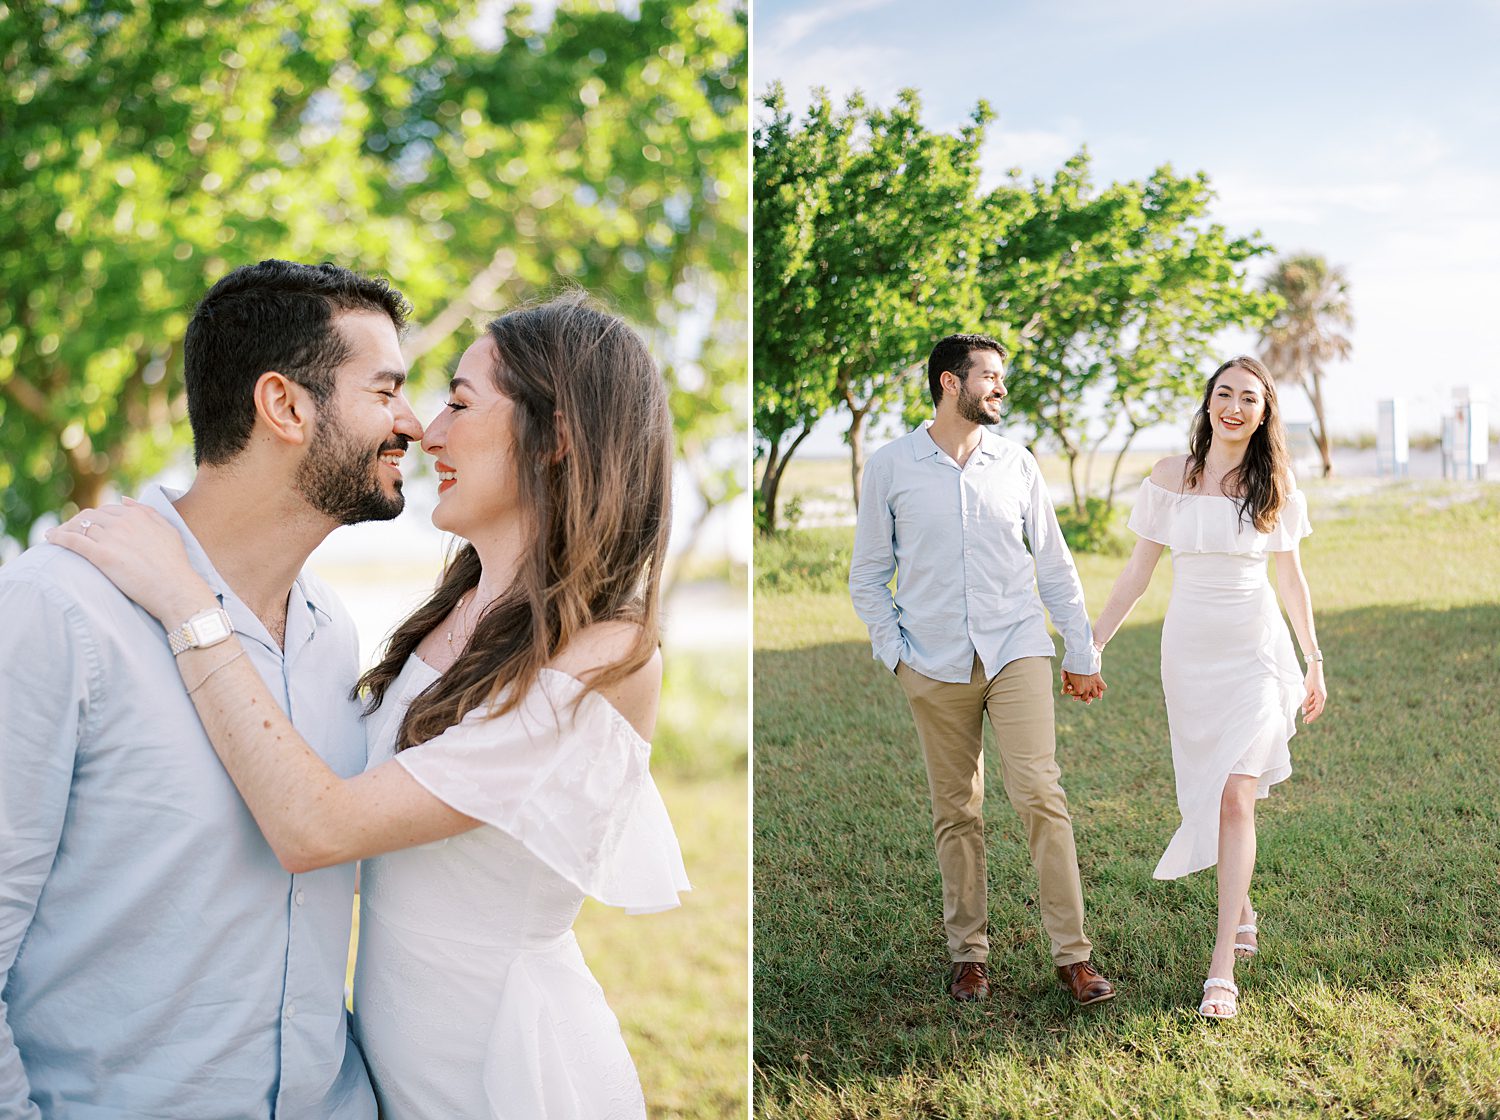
207, 628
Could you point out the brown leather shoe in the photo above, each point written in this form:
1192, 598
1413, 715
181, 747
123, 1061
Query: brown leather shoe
1084, 981
969, 982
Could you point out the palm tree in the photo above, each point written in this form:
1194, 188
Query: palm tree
1306, 331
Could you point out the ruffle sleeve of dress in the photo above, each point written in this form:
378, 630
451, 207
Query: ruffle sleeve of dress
570, 779
471, 996
1188, 523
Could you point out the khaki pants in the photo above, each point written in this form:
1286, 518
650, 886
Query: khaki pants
950, 725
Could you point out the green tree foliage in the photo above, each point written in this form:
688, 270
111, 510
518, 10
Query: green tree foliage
866, 251
873, 239
151, 147
1308, 331
796, 169
1114, 298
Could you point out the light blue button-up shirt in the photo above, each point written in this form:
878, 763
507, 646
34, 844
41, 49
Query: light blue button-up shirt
156, 960
956, 539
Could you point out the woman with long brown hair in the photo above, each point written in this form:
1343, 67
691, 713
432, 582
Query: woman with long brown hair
509, 726
1228, 671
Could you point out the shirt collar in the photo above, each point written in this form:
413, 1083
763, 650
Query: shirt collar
163, 499
990, 444
923, 446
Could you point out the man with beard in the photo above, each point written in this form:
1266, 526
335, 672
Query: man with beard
156, 959
950, 509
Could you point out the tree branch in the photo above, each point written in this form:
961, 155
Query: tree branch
28, 398
486, 283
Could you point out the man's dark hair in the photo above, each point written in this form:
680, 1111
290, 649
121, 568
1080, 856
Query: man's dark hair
275, 315
951, 355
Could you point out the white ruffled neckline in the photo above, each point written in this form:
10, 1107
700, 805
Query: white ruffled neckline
1191, 527
612, 713
1185, 494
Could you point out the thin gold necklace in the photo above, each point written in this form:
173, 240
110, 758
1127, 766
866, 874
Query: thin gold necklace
457, 613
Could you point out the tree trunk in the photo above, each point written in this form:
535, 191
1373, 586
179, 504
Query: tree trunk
1114, 470
1094, 449
1071, 453
773, 458
87, 490
1321, 428
856, 437
674, 566
770, 482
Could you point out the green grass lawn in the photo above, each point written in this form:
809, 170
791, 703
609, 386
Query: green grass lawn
1377, 992
679, 980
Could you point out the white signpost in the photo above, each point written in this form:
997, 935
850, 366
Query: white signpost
1303, 449
1392, 449
1466, 436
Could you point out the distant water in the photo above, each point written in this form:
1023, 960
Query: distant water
1350, 466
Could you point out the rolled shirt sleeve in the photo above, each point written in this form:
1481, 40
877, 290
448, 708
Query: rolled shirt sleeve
874, 563
45, 692
1057, 579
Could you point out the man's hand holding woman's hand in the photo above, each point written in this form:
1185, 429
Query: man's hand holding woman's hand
1079, 686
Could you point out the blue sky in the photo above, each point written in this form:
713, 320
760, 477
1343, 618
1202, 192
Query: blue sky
1368, 132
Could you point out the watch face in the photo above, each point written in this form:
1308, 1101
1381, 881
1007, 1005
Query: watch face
211, 628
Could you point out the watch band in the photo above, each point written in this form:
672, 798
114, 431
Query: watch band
207, 628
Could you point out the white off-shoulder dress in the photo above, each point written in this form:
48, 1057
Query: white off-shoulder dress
471, 998
1228, 669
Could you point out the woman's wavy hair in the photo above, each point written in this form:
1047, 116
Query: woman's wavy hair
592, 450
1261, 483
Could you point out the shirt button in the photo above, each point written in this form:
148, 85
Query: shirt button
299, 897
291, 1009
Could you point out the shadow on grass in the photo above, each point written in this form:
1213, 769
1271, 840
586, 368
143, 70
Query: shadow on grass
1376, 873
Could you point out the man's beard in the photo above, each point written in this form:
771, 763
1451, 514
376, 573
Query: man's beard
971, 408
341, 479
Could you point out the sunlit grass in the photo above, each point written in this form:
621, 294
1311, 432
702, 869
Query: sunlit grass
1378, 989
679, 981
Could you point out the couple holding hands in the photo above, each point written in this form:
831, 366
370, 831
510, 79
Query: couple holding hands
962, 518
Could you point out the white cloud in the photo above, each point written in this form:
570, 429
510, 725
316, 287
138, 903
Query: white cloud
796, 26
1246, 200
876, 71
1421, 253
1034, 151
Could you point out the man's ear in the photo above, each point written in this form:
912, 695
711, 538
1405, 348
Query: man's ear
285, 408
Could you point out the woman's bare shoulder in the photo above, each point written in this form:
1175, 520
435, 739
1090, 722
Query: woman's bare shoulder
602, 644
596, 646
1170, 473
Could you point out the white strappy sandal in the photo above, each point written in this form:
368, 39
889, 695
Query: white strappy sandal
1243, 950
1220, 1008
